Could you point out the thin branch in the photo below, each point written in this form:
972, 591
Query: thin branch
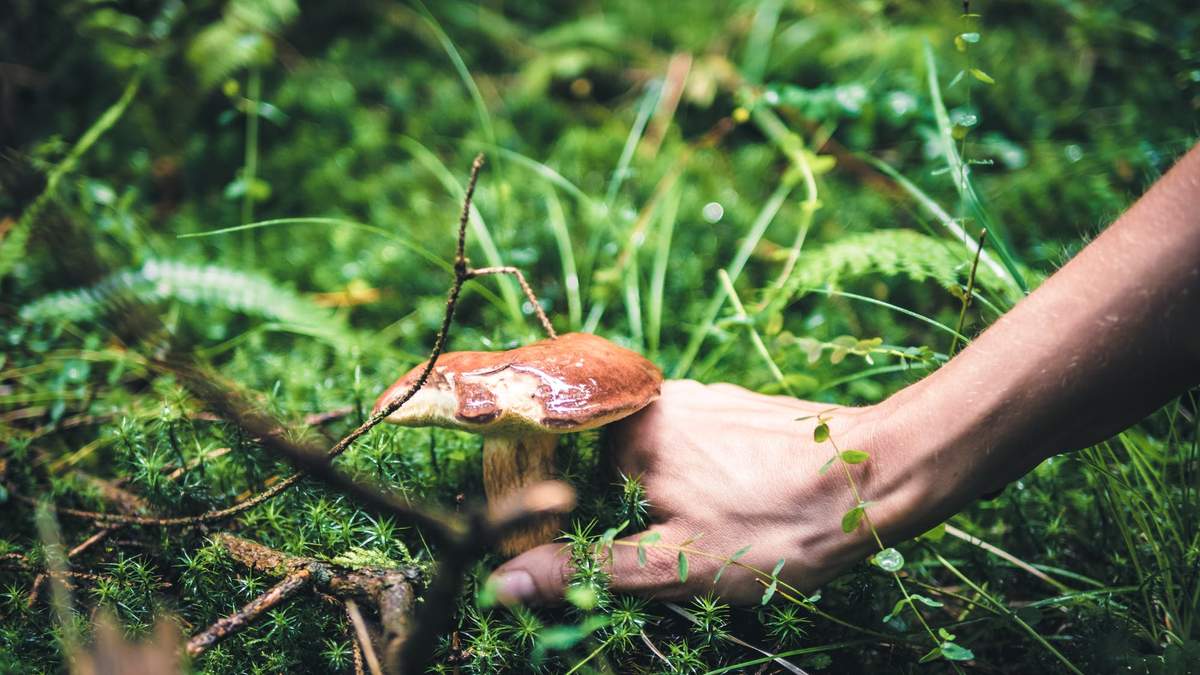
291, 585
388, 590
525, 288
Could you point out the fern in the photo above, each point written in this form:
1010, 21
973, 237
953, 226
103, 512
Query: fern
889, 253
199, 285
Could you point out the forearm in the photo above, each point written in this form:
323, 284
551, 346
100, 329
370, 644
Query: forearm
1107, 339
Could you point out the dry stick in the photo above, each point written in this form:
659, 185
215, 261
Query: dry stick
124, 500
291, 585
358, 654
35, 588
529, 295
1005, 555
460, 546
388, 589
362, 637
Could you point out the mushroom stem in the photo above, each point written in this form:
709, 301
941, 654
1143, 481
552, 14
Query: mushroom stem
511, 462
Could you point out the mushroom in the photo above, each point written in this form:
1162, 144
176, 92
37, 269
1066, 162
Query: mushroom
521, 400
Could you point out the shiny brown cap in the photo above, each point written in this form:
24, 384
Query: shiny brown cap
573, 382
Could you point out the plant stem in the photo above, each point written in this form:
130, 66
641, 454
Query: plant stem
250, 162
966, 298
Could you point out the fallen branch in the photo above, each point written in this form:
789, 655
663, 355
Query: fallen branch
389, 591
291, 585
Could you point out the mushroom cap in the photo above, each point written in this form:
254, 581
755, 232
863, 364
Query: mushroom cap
573, 382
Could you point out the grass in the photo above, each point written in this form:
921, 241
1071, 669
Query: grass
835, 139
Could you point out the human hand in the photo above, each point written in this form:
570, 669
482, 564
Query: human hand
737, 469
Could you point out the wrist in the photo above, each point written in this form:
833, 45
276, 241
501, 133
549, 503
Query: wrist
921, 470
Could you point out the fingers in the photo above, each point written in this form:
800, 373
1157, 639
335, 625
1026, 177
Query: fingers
540, 575
537, 576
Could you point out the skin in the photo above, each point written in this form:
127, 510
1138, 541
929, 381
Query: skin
1102, 343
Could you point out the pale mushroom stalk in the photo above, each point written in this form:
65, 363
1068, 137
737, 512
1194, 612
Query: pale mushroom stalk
521, 401
512, 461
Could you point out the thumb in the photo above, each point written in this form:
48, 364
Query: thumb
540, 575
537, 576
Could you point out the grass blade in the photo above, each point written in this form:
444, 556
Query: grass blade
758, 41
658, 276
464, 73
12, 247
562, 237
645, 109
755, 338
955, 228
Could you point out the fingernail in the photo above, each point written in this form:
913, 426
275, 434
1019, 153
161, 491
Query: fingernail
515, 586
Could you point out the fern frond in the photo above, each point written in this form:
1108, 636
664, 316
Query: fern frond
198, 285
888, 253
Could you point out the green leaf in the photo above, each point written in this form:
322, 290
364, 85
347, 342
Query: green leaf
778, 567
895, 609
606, 539
984, 78
645, 540
929, 602
889, 560
821, 433
955, 652
487, 597
932, 655
854, 456
770, 592
935, 534
732, 559
683, 567
825, 467
851, 520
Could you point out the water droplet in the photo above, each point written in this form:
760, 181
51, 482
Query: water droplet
713, 212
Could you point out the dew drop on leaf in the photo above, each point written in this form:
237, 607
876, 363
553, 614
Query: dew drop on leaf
889, 560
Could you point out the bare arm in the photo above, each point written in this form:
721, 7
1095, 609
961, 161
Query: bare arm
1107, 339
1110, 337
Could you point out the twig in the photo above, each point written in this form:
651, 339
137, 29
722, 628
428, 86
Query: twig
291, 585
56, 562
1005, 555
362, 638
525, 288
358, 654
389, 590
